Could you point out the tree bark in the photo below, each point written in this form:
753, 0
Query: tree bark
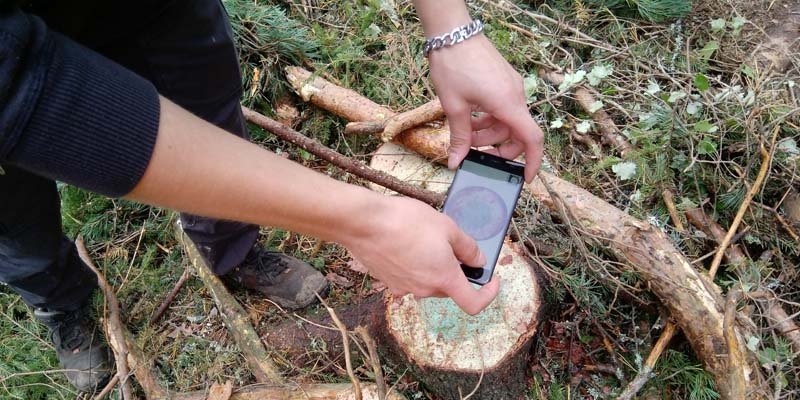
693, 300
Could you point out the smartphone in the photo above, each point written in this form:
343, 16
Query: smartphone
481, 200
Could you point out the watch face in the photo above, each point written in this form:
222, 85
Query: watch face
479, 211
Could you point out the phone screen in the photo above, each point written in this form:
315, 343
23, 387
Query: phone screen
481, 200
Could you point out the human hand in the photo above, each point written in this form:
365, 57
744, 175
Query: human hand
412, 248
473, 76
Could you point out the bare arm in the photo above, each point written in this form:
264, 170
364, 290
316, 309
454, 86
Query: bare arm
198, 168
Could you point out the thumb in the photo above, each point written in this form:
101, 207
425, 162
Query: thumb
460, 122
466, 249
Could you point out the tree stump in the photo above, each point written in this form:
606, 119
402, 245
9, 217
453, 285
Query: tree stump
449, 350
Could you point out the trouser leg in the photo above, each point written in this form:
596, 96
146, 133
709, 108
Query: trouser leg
36, 259
189, 54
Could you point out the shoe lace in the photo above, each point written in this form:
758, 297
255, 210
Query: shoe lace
70, 332
269, 263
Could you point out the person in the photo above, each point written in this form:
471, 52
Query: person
139, 100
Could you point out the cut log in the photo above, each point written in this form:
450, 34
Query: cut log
447, 350
693, 300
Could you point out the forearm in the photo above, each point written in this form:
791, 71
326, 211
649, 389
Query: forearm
201, 169
441, 16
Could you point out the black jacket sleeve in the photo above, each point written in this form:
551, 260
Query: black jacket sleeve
70, 114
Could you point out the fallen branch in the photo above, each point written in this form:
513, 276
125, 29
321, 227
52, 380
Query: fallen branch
609, 132
646, 372
346, 345
766, 158
170, 297
374, 361
734, 255
235, 318
692, 299
428, 141
394, 125
669, 201
354, 167
115, 331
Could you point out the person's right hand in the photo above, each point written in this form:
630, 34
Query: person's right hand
412, 248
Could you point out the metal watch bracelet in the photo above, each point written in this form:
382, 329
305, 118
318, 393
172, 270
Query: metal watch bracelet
453, 37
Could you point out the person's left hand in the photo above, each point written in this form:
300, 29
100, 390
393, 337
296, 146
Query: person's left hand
473, 76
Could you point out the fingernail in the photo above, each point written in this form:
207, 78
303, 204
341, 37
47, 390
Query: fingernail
482, 260
452, 163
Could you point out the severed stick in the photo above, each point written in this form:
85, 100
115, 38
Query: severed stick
647, 369
109, 387
395, 124
235, 319
609, 132
115, 331
346, 345
782, 323
171, 296
766, 159
669, 201
354, 167
380, 382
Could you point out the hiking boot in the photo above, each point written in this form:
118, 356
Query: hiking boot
289, 282
80, 347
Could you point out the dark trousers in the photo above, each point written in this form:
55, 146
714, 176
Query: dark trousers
185, 47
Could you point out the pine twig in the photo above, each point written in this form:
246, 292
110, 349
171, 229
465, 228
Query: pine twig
766, 159
346, 345
354, 167
171, 296
669, 200
114, 328
375, 362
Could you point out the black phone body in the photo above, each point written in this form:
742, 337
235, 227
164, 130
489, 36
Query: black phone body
481, 200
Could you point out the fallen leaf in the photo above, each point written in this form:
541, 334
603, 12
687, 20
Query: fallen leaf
339, 280
357, 266
220, 391
506, 260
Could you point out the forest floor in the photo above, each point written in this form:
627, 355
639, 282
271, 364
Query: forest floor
686, 94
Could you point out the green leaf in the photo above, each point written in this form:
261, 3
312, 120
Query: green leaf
676, 95
748, 71
598, 73
718, 24
624, 170
706, 147
572, 79
531, 84
694, 107
583, 126
705, 127
652, 87
595, 106
708, 50
701, 82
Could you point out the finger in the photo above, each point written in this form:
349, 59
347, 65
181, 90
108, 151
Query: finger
459, 119
397, 292
509, 151
491, 136
469, 299
527, 134
483, 121
466, 248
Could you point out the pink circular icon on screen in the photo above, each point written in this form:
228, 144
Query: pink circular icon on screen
480, 212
